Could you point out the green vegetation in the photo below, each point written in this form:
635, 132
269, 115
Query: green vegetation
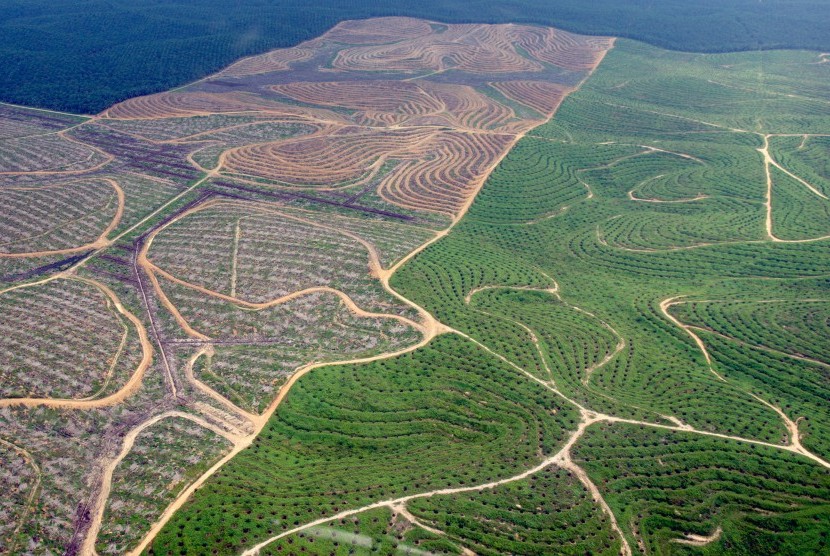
809, 157
779, 346
444, 416
667, 484
377, 531
575, 264
549, 513
85, 56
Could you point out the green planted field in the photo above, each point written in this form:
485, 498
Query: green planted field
352, 435
666, 195
653, 256
666, 485
551, 512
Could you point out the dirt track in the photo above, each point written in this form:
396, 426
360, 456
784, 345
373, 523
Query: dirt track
769, 162
21, 519
792, 426
429, 327
97, 510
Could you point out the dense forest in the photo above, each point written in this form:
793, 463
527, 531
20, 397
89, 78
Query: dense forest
83, 55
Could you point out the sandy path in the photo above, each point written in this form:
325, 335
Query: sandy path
234, 252
667, 304
633, 197
115, 358
555, 292
260, 421
431, 327
207, 350
107, 159
402, 510
347, 301
699, 540
99, 505
152, 270
561, 458
768, 163
792, 426
700, 197
763, 348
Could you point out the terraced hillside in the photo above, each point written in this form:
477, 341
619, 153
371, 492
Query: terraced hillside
171, 267
628, 257
366, 296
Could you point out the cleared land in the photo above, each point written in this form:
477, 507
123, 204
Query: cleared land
188, 256
383, 302
622, 259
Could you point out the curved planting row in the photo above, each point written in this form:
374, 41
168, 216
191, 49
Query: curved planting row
558, 47
387, 103
253, 255
542, 96
480, 49
165, 458
354, 434
276, 60
193, 103
797, 327
548, 513
445, 181
668, 487
50, 153
806, 156
797, 213
323, 160
379, 30
62, 339
435, 53
55, 217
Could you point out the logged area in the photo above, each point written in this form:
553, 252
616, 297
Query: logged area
423, 288
171, 267
85, 56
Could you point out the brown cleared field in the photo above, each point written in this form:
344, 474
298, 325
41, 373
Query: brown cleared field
277, 60
162, 461
185, 104
49, 154
477, 48
324, 160
423, 104
63, 339
171, 267
60, 217
379, 30
253, 255
541, 96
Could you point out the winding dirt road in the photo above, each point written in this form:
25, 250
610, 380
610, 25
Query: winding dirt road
98, 507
